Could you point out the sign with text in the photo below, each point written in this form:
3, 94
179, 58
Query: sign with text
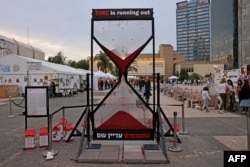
123, 135
120, 14
34, 66
36, 101
236, 158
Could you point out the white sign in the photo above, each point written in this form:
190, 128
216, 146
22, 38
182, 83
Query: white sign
36, 101
36, 66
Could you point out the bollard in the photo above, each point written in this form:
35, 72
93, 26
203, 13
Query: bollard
183, 132
50, 153
11, 115
175, 148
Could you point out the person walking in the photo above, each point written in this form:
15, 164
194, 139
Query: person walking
205, 98
222, 91
147, 88
231, 98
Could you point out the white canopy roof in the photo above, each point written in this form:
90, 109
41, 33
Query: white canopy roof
111, 76
173, 77
100, 74
47, 67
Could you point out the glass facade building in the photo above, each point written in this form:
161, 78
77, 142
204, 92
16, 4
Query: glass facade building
224, 34
193, 29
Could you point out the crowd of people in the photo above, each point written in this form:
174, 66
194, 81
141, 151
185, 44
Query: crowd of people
104, 83
228, 92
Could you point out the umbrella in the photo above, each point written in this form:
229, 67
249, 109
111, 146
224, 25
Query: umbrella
173, 77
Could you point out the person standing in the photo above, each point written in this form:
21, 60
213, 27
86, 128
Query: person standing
245, 93
205, 98
147, 86
52, 89
231, 98
222, 91
238, 89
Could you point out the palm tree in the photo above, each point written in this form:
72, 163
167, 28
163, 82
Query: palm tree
133, 67
103, 62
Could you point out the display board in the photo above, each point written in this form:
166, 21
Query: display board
36, 101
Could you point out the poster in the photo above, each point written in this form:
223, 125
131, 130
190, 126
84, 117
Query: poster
36, 101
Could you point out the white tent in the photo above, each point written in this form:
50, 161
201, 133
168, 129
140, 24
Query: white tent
173, 77
22, 71
110, 76
100, 74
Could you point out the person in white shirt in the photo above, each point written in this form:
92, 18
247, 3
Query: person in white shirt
205, 98
222, 91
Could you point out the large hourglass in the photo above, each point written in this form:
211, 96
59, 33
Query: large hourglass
123, 114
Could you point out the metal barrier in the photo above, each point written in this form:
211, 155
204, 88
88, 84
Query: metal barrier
175, 148
182, 132
18, 105
50, 152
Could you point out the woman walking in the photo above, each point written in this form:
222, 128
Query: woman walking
222, 91
205, 98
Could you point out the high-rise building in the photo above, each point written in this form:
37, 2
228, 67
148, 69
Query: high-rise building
193, 29
244, 33
224, 32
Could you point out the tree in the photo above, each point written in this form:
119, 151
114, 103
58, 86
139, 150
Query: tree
183, 75
72, 63
133, 67
194, 76
58, 59
83, 64
103, 62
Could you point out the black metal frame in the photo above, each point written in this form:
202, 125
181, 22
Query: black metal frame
27, 115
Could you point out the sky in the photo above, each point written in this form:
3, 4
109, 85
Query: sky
65, 25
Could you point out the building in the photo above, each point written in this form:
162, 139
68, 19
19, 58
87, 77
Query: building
201, 68
164, 62
11, 46
243, 32
224, 32
193, 29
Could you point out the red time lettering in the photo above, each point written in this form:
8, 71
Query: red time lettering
101, 12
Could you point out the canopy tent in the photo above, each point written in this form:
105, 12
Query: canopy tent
173, 77
110, 76
22, 71
100, 74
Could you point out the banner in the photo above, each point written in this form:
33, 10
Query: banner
122, 14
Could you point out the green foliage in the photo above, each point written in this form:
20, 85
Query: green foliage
83, 64
61, 59
183, 75
72, 63
58, 59
194, 76
103, 62
208, 75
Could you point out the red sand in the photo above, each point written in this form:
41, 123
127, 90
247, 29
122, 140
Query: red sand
122, 120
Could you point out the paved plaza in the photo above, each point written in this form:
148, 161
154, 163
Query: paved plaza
209, 135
